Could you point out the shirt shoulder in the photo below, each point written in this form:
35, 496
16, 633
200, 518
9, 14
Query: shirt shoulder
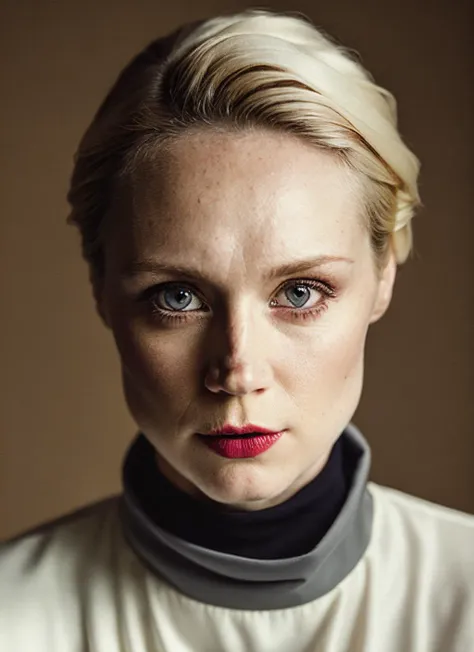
424, 555
422, 527
420, 513
46, 542
45, 570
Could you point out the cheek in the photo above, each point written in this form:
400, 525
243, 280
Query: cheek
161, 366
330, 365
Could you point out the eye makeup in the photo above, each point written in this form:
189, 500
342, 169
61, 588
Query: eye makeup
153, 298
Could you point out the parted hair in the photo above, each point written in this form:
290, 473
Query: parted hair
251, 70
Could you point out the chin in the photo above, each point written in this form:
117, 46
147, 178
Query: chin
242, 487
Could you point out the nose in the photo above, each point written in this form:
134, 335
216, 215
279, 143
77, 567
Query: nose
238, 363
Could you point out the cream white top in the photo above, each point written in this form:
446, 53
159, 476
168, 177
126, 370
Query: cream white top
77, 586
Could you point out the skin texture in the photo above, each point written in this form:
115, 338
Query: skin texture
232, 207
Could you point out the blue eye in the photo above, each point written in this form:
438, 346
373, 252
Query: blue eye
300, 299
177, 298
301, 294
172, 298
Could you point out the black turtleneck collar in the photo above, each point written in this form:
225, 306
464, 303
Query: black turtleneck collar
225, 558
286, 530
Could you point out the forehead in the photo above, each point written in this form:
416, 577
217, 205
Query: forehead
242, 195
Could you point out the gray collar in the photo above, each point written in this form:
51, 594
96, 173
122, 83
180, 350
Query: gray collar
234, 582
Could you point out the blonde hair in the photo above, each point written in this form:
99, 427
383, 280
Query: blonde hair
251, 69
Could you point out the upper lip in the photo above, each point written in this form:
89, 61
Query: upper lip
242, 430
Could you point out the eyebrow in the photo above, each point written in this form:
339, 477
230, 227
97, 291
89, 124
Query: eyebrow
288, 269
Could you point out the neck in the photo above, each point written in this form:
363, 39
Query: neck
246, 578
278, 531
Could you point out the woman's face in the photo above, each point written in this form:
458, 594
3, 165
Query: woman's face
239, 287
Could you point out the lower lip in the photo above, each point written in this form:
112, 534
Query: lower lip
239, 447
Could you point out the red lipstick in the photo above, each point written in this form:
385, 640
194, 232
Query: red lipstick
239, 442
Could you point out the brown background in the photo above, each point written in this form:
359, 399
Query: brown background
64, 426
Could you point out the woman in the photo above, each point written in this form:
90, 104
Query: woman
244, 197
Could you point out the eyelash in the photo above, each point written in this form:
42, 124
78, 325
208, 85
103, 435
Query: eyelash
171, 316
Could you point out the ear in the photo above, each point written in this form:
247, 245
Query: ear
385, 285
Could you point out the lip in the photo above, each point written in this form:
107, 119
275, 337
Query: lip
241, 445
247, 429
